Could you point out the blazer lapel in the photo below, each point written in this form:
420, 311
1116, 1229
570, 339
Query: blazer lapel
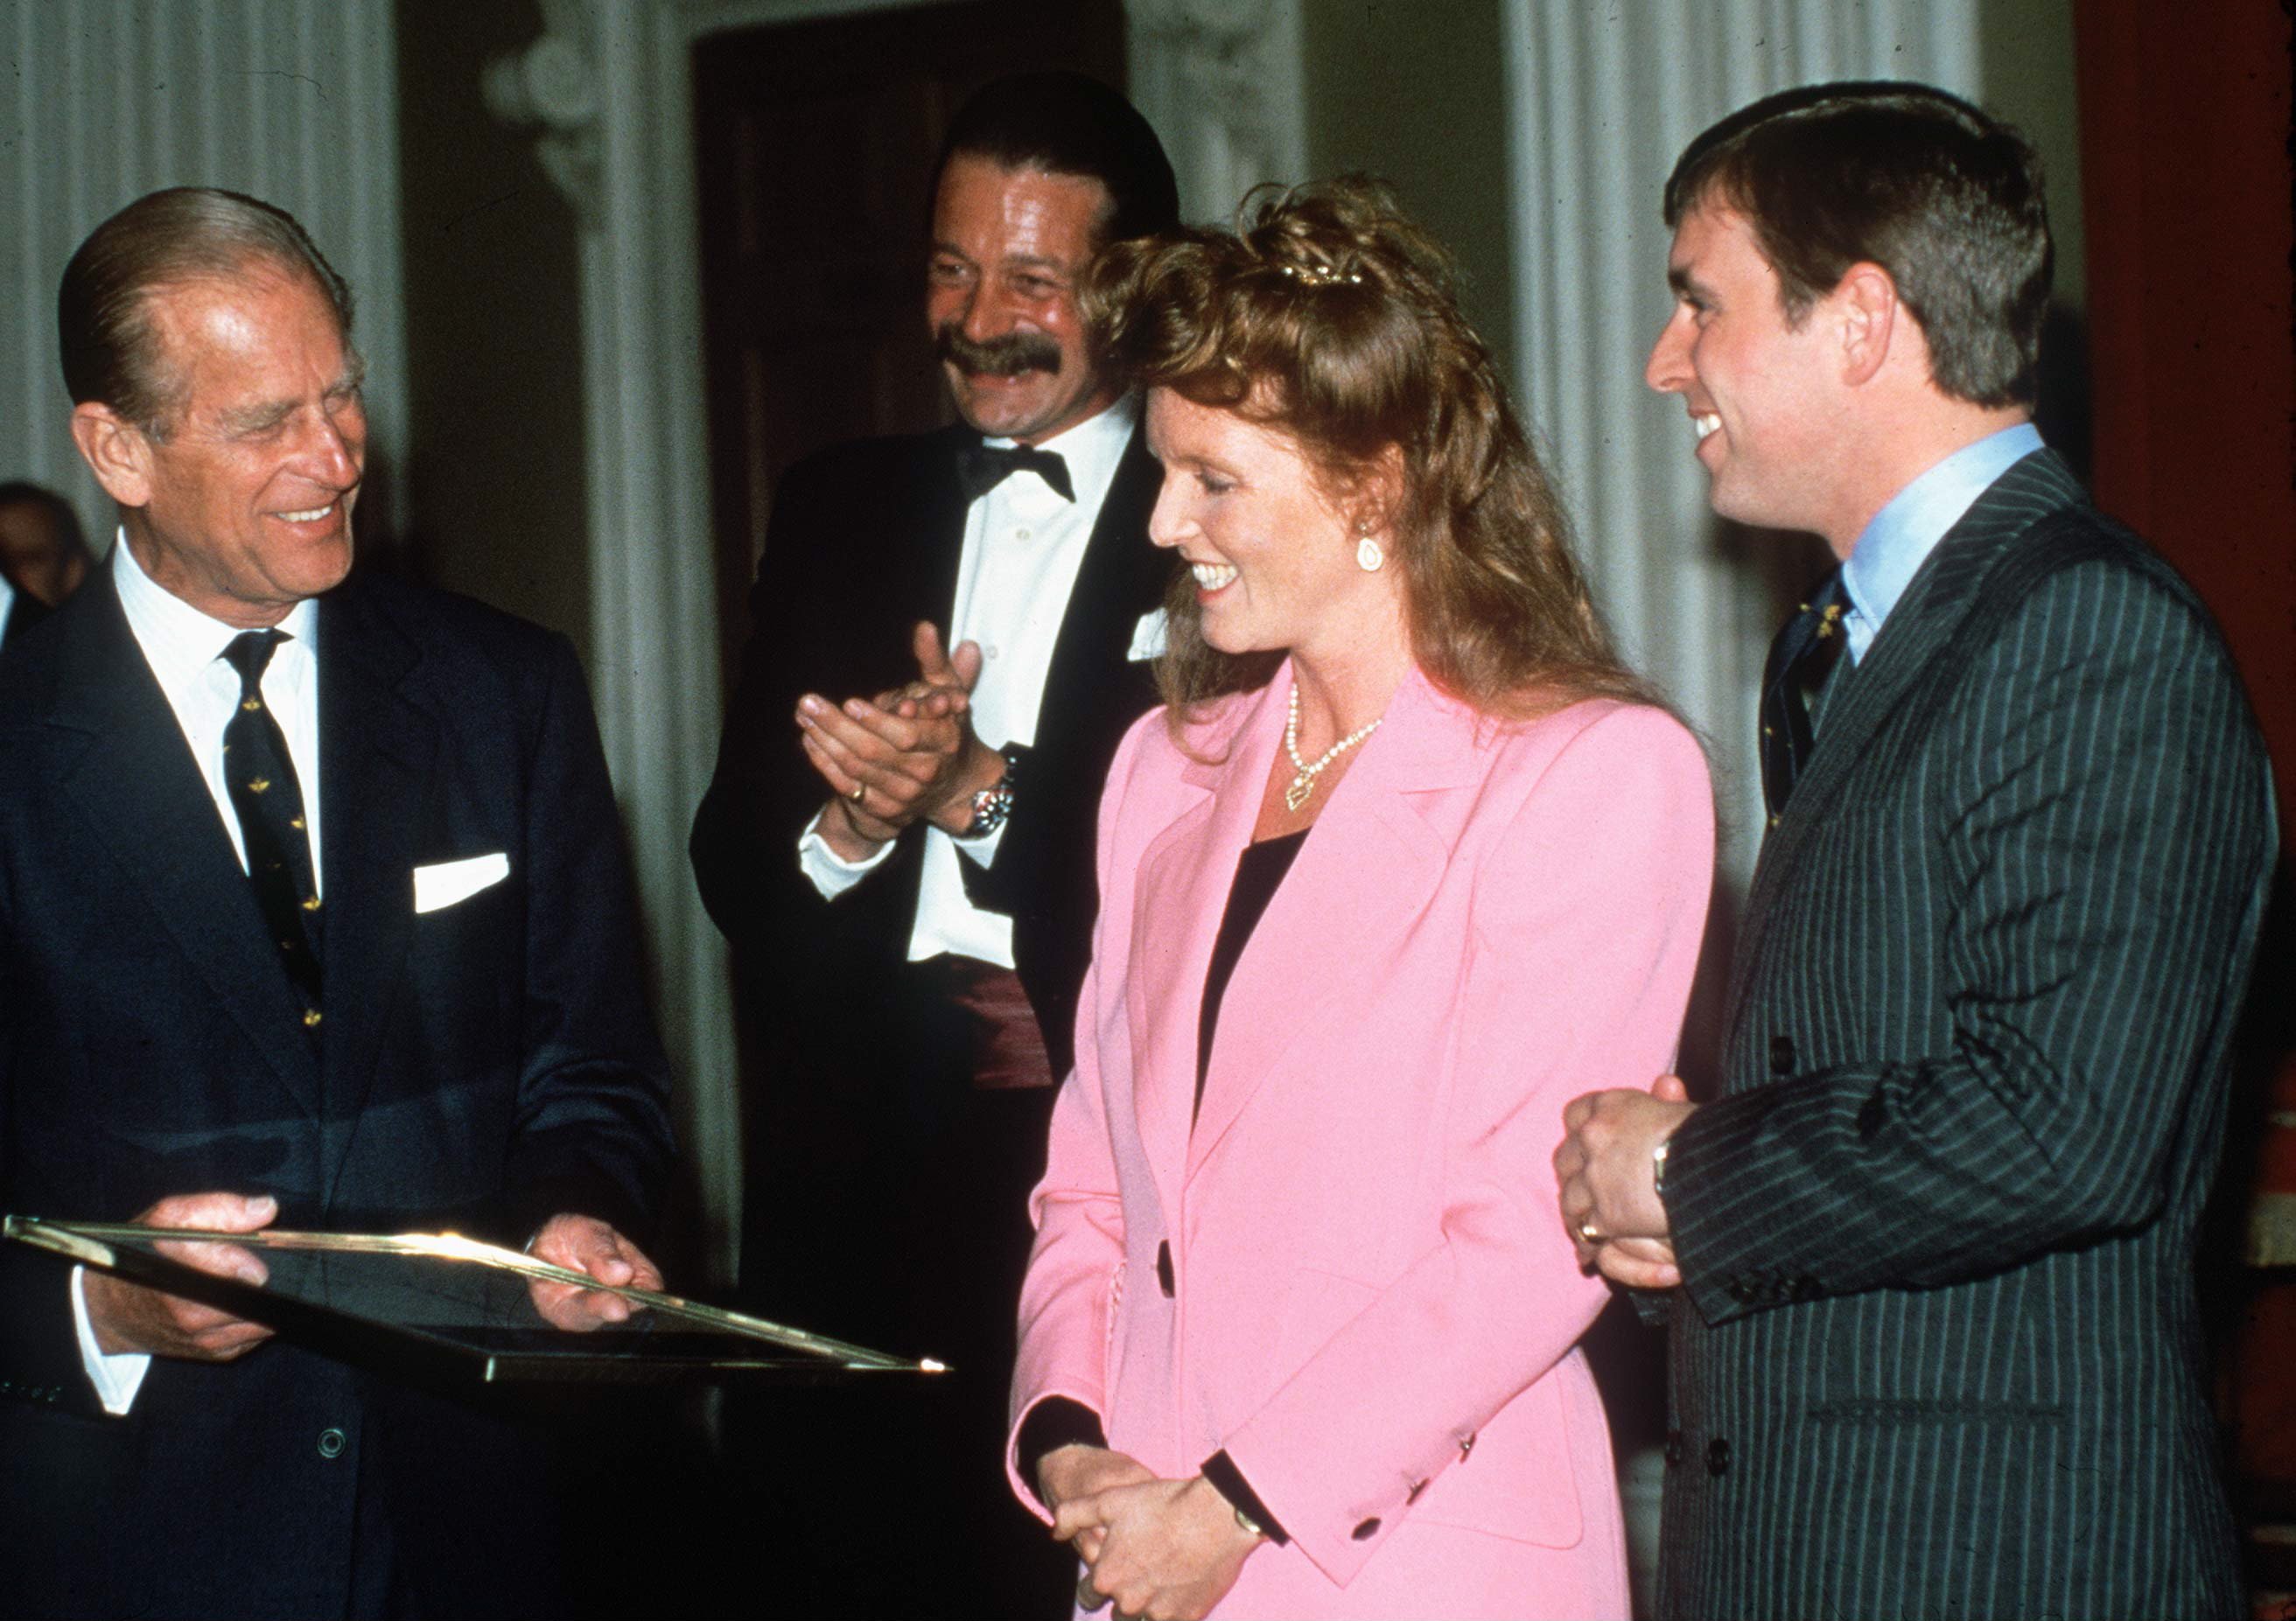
1366, 874
1939, 598
940, 537
138, 787
1119, 569
1184, 874
375, 755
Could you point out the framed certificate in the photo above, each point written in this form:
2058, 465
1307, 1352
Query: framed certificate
471, 1310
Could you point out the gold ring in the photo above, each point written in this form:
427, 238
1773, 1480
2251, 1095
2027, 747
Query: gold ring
860, 791
1588, 1230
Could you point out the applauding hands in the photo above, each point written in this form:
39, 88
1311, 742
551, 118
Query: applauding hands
908, 755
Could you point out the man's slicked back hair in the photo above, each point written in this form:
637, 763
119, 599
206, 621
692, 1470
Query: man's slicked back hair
1945, 198
188, 233
1069, 124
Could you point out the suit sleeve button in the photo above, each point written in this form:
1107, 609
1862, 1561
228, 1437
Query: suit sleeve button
1364, 1532
1717, 1456
1782, 1055
331, 1442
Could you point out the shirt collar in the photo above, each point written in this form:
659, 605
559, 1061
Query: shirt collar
1892, 547
1092, 449
178, 640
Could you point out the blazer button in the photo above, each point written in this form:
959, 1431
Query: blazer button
332, 1443
1870, 1116
1782, 1055
1742, 1290
1164, 1268
1674, 1448
1717, 1456
1364, 1532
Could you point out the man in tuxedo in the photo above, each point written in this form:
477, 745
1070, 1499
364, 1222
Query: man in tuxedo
313, 911
1934, 1348
43, 555
956, 623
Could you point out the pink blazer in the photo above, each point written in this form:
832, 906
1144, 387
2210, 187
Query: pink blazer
1373, 1307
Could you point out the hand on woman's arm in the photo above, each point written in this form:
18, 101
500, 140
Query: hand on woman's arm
1166, 1549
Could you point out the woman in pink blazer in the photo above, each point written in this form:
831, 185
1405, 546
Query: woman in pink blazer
1408, 862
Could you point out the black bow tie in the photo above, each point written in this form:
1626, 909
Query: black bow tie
981, 468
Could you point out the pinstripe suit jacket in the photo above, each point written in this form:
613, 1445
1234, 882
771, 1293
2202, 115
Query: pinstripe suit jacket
1937, 1352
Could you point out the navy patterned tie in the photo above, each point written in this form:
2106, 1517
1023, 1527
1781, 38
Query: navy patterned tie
260, 778
1800, 661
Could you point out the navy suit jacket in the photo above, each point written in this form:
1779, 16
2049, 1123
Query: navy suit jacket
1938, 1352
486, 1064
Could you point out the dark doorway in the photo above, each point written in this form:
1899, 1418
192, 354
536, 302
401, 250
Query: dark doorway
813, 145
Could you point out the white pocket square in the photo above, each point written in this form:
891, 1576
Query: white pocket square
449, 881
1148, 637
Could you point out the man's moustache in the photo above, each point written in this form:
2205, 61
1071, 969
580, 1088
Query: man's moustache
1005, 356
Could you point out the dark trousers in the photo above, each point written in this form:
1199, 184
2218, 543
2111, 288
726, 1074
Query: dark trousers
887, 1205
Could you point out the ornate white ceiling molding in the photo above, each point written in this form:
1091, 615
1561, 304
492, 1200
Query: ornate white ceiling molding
1220, 80
552, 86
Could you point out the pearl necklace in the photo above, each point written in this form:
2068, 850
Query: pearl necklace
1304, 784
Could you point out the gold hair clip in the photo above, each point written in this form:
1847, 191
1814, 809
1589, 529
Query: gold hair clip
1320, 276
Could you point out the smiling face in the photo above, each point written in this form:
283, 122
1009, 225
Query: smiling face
1274, 557
1009, 247
1763, 394
244, 509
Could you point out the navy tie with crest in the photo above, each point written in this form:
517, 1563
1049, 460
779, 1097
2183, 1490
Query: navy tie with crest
263, 793
1800, 660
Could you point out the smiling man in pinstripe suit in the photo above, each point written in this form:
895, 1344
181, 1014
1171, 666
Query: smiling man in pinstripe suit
1928, 1258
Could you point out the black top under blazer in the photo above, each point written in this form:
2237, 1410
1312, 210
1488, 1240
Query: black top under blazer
484, 1065
865, 540
1937, 1352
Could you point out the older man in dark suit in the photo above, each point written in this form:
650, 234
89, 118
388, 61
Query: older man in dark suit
956, 622
1934, 1346
313, 909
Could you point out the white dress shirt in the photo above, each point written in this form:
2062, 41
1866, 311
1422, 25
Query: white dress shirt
1024, 544
185, 650
7, 602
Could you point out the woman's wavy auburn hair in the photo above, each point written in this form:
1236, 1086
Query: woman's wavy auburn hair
1329, 316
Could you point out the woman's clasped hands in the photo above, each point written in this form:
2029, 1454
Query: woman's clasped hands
1156, 1549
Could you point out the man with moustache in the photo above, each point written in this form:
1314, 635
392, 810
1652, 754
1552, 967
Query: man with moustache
312, 912
1934, 1347
957, 623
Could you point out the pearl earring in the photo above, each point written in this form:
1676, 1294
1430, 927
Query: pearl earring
1368, 555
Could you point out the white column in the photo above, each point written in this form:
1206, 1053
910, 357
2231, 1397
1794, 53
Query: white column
1601, 100
612, 86
291, 100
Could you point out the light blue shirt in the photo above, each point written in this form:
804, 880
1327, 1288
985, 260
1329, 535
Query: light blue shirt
1892, 548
